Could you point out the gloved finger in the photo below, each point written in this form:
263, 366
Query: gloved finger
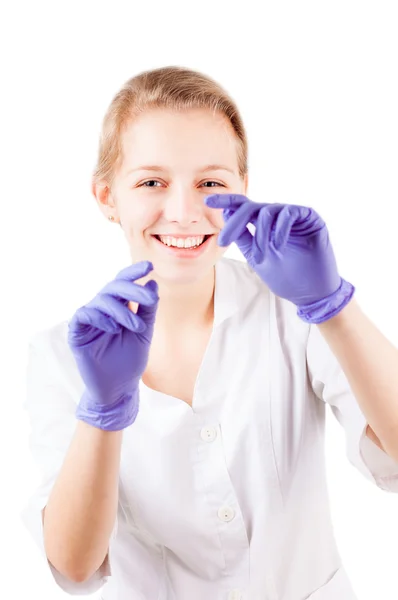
283, 227
245, 244
225, 200
308, 221
265, 223
236, 225
302, 214
227, 212
83, 326
136, 270
118, 311
124, 289
262, 237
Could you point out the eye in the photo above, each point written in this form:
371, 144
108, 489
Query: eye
149, 181
153, 181
216, 182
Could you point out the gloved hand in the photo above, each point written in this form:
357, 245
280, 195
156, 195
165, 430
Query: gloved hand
290, 251
111, 344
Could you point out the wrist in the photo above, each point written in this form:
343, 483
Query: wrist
113, 417
326, 308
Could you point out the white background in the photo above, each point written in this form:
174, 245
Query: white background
316, 83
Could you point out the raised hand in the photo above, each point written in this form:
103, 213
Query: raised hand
111, 344
290, 251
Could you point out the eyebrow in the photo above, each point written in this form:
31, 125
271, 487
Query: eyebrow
159, 168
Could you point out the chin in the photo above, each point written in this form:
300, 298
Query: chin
188, 272
181, 273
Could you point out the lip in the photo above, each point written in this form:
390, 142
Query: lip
182, 236
184, 252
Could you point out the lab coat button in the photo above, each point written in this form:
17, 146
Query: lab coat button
234, 595
208, 434
226, 513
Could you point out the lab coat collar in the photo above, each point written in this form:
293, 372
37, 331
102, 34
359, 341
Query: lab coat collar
234, 288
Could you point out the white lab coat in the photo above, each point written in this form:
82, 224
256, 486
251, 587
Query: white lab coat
227, 499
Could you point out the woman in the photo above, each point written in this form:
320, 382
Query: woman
179, 416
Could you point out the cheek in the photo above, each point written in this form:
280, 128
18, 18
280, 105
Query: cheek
138, 217
217, 219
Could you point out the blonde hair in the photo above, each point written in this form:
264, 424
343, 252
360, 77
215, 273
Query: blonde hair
171, 87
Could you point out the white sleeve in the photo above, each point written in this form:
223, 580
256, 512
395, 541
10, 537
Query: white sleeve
330, 384
51, 411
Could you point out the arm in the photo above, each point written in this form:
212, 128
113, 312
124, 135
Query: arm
81, 510
370, 363
65, 449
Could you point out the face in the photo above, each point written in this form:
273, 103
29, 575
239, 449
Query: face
160, 188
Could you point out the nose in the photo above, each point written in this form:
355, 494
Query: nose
184, 206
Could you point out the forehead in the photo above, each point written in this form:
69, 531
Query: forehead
164, 135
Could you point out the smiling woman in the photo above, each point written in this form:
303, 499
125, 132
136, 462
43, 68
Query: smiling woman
196, 466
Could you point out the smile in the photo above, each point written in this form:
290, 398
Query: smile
182, 252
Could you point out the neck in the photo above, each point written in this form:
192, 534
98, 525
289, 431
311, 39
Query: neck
186, 306
183, 306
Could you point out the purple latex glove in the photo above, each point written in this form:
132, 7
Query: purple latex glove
290, 251
111, 344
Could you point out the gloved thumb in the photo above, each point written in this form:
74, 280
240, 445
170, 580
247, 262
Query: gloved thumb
148, 313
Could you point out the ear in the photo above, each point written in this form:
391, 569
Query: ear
103, 196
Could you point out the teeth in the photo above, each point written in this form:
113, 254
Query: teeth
190, 242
